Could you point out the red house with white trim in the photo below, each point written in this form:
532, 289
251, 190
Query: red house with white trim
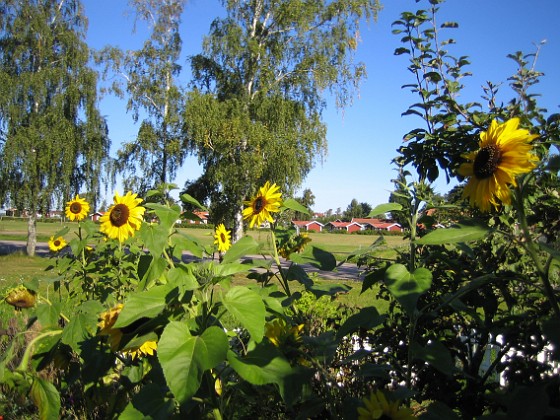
347, 226
378, 224
307, 225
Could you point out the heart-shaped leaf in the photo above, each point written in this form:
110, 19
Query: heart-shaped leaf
407, 287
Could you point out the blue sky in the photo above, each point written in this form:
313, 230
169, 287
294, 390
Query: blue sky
364, 137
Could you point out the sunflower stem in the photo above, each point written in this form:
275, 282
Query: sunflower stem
531, 249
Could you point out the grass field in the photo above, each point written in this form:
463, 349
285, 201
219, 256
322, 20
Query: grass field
340, 245
18, 267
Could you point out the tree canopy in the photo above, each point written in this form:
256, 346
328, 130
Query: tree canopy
148, 78
53, 140
254, 111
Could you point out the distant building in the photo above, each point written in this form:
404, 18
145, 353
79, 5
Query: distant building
307, 225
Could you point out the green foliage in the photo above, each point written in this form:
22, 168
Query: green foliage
149, 334
254, 112
150, 74
53, 140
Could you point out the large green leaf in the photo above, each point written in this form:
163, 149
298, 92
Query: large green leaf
323, 260
167, 215
455, 234
292, 204
182, 242
183, 358
77, 330
384, 208
147, 304
248, 308
244, 246
149, 403
188, 199
407, 287
217, 344
48, 314
436, 354
366, 318
182, 277
265, 364
46, 398
155, 237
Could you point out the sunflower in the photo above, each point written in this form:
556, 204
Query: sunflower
146, 349
504, 152
106, 321
222, 238
378, 407
265, 202
279, 333
123, 217
56, 244
20, 297
77, 209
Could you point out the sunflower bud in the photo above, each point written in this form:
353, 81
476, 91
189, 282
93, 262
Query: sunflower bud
20, 297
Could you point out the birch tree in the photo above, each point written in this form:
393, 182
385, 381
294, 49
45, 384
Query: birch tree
254, 112
53, 141
147, 78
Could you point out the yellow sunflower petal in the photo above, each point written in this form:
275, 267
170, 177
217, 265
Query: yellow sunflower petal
123, 218
504, 153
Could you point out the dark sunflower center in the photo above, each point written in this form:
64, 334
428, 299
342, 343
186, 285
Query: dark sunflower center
119, 215
57, 243
486, 162
76, 208
258, 205
223, 237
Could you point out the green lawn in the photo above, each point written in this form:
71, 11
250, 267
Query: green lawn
18, 268
341, 245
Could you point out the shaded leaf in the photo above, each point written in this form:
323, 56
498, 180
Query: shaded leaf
323, 260
367, 318
435, 354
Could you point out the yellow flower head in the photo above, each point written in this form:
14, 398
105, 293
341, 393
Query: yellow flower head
77, 209
222, 238
268, 200
378, 407
123, 218
504, 152
146, 349
106, 321
279, 333
56, 244
20, 297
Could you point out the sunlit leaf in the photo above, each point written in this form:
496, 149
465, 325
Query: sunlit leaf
292, 204
407, 287
454, 234
46, 398
384, 208
183, 358
248, 308
244, 246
